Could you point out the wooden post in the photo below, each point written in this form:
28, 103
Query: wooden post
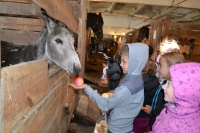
156, 35
82, 42
0, 95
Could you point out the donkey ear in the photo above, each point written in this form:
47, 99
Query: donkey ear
100, 14
48, 22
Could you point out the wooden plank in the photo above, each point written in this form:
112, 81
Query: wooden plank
196, 50
189, 34
156, 35
194, 58
46, 116
19, 37
19, 1
71, 93
83, 105
93, 111
23, 86
18, 23
183, 26
82, 36
185, 49
19, 9
177, 3
60, 10
55, 76
0, 93
67, 118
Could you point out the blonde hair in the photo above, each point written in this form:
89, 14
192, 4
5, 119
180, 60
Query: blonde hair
174, 50
150, 68
124, 50
172, 58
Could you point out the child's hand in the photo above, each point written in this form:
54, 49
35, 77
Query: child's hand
147, 109
83, 86
111, 92
105, 65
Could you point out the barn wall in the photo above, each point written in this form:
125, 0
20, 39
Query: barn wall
34, 102
185, 32
35, 99
162, 28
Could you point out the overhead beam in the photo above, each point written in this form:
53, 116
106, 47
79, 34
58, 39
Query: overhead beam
178, 3
138, 8
163, 12
187, 16
111, 7
123, 21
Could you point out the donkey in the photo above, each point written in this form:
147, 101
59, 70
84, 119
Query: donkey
96, 23
55, 43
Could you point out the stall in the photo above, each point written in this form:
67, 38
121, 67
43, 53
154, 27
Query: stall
187, 36
35, 99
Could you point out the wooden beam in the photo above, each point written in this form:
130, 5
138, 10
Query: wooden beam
19, 37
163, 12
111, 7
187, 16
138, 8
182, 26
19, 9
19, 89
16, 23
18, 1
60, 10
82, 36
178, 3
0, 94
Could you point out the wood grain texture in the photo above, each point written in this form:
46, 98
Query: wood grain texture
14, 9
24, 24
47, 115
60, 10
19, 37
22, 84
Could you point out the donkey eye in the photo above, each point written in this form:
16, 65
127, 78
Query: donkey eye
59, 41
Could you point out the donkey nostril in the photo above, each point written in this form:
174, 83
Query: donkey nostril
76, 68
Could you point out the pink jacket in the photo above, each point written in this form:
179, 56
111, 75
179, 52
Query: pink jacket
185, 116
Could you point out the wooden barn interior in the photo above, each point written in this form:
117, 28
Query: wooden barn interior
35, 99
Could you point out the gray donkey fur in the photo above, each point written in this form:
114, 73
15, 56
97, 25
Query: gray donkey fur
55, 43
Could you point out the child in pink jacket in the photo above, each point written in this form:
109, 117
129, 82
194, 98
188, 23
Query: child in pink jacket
182, 92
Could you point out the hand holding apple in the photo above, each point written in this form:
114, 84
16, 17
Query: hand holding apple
147, 109
83, 86
106, 95
78, 81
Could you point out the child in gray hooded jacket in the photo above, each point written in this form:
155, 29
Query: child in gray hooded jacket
127, 99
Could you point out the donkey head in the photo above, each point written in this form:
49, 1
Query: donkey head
60, 47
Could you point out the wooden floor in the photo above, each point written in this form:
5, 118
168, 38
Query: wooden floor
79, 128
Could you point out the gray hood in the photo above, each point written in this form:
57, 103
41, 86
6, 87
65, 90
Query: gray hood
138, 56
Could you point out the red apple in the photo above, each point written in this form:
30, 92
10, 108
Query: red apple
78, 81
